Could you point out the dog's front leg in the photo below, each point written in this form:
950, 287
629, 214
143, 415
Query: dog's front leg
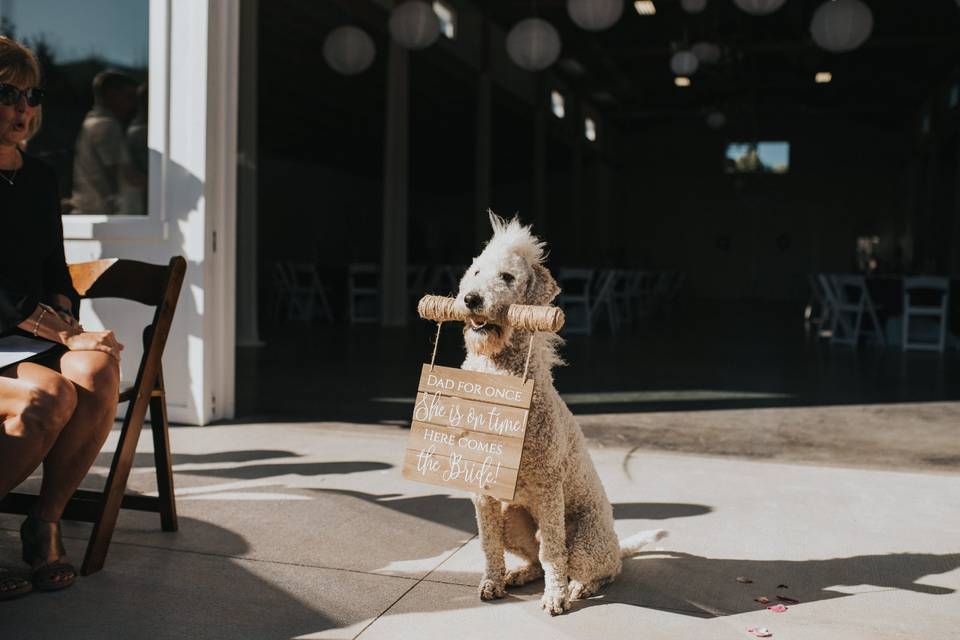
490, 524
553, 551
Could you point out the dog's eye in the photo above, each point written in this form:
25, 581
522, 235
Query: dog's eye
477, 272
507, 277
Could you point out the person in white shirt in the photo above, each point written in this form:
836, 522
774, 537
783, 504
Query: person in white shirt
102, 171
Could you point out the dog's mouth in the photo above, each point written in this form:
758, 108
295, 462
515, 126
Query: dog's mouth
483, 326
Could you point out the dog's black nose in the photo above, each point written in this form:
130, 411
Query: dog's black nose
473, 300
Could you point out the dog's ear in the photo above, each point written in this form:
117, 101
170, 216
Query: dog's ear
543, 288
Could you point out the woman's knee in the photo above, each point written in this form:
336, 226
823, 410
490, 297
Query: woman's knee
47, 406
94, 371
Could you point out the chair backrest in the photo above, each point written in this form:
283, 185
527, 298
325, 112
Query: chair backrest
150, 284
849, 288
935, 287
127, 279
574, 283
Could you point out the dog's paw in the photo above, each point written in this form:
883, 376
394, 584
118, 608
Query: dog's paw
555, 601
491, 589
523, 575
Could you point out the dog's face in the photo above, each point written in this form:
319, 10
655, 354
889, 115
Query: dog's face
507, 272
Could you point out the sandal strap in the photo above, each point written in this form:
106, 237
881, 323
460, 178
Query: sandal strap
45, 540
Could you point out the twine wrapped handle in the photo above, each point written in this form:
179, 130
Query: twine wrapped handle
520, 316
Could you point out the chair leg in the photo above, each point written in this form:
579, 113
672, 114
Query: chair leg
113, 492
160, 428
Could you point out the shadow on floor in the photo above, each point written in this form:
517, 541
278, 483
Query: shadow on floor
708, 587
146, 592
459, 512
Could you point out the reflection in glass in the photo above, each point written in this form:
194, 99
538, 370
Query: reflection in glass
757, 157
94, 58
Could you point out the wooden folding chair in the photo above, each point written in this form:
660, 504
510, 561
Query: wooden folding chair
157, 286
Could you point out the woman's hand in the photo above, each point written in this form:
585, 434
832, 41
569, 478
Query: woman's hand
95, 341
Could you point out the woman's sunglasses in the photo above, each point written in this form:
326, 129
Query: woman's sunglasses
10, 95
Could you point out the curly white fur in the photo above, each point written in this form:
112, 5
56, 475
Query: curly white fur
560, 520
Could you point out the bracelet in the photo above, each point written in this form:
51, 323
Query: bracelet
36, 327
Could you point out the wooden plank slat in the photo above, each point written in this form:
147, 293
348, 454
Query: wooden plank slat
473, 446
469, 476
473, 385
482, 417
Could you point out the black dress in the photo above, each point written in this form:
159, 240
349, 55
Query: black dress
32, 264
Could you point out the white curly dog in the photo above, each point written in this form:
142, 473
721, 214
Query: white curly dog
560, 521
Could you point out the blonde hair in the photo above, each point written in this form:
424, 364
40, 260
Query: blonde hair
19, 65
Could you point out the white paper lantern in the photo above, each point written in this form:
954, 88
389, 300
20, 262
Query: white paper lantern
348, 50
414, 25
706, 52
759, 7
595, 15
696, 6
533, 44
842, 25
716, 119
684, 63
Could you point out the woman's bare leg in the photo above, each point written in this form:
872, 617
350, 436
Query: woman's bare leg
35, 404
96, 378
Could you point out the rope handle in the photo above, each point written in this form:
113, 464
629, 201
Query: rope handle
520, 316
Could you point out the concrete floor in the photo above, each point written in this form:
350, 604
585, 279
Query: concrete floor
765, 454
307, 530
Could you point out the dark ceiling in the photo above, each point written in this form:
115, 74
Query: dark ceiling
768, 62
766, 73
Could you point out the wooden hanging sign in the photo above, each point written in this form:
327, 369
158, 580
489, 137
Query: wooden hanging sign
467, 430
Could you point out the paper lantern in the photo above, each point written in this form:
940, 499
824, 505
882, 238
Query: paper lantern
414, 25
842, 25
716, 119
696, 6
533, 44
759, 7
684, 63
706, 52
348, 50
595, 15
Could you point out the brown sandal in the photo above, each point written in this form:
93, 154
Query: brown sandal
41, 541
13, 585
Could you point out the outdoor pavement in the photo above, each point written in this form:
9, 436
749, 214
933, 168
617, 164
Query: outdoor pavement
307, 530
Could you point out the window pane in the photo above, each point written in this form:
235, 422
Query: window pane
94, 57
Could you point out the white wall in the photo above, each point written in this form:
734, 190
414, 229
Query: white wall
192, 142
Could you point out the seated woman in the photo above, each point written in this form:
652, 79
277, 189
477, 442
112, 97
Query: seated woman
57, 406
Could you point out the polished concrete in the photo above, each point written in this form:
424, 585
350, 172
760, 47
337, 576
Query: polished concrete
307, 530
719, 378
766, 454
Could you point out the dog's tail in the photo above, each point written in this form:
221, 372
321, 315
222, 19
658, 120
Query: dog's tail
638, 541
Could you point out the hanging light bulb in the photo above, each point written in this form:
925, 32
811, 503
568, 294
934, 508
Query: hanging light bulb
759, 7
684, 63
706, 52
697, 6
533, 44
842, 25
595, 15
716, 119
348, 50
414, 25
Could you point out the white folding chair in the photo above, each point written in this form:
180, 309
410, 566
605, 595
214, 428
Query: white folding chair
308, 295
644, 293
825, 298
624, 282
668, 286
574, 299
416, 284
929, 316
603, 298
363, 293
852, 303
